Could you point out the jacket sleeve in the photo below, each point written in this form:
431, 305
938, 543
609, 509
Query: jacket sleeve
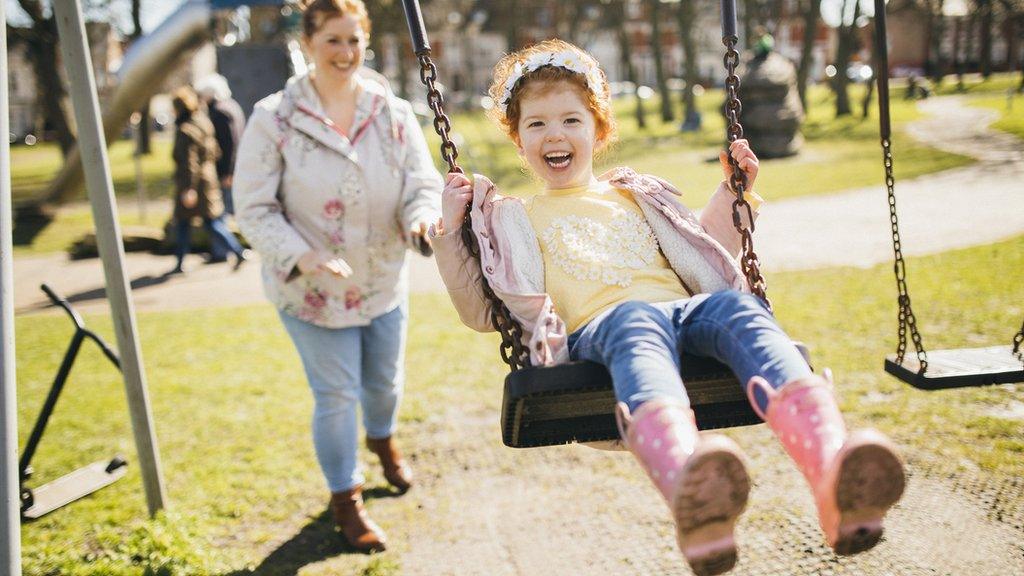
461, 274
258, 207
185, 163
716, 218
422, 183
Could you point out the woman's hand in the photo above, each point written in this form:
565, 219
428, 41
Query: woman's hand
745, 158
458, 191
189, 199
420, 238
319, 262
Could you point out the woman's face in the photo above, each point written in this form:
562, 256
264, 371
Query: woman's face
337, 48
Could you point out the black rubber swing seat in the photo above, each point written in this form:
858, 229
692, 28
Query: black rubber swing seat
575, 402
959, 368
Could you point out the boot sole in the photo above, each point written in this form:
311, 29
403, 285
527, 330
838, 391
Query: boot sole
870, 481
711, 494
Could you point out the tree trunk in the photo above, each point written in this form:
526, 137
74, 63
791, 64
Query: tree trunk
811, 13
985, 21
667, 113
403, 68
936, 30
142, 145
51, 94
749, 10
626, 53
686, 16
844, 50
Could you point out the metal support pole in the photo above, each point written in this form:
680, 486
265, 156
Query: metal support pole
10, 499
92, 143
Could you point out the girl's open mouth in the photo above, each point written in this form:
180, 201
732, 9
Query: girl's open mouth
558, 160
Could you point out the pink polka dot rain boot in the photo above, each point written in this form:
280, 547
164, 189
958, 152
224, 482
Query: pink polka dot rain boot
855, 477
703, 479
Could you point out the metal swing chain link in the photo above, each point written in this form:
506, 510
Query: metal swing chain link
906, 313
512, 350
738, 180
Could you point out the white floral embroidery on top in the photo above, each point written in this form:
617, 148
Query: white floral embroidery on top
608, 253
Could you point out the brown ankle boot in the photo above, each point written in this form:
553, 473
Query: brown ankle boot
359, 530
396, 469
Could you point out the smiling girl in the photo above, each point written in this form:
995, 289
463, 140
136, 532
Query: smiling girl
616, 270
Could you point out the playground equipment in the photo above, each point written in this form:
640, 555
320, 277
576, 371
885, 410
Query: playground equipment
575, 402
941, 368
36, 502
254, 69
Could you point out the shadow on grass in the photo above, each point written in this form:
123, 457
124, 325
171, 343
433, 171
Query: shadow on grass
317, 541
29, 221
101, 292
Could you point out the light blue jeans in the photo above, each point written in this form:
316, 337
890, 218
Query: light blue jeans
347, 367
640, 344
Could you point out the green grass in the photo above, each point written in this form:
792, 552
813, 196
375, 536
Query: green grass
232, 409
839, 153
975, 84
33, 167
1011, 108
73, 222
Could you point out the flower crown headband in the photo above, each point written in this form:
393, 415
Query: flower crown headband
564, 59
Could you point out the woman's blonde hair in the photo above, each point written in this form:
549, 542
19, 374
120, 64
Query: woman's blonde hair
595, 90
316, 12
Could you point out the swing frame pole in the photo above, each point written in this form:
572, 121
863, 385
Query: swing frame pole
10, 499
92, 143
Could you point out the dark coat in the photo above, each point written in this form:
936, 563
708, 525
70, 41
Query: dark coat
195, 157
228, 123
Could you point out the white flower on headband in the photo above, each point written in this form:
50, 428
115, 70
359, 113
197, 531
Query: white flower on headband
565, 59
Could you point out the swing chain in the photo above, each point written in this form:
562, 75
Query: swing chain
738, 179
906, 313
442, 124
512, 350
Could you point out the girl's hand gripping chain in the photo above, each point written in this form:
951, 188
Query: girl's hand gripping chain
458, 191
745, 159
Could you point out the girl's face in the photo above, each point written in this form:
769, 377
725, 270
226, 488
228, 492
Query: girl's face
337, 48
557, 135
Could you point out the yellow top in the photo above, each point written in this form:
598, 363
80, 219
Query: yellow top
598, 251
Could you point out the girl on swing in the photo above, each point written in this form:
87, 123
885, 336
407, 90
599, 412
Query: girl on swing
616, 270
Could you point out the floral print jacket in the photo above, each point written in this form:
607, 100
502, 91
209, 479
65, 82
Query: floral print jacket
299, 184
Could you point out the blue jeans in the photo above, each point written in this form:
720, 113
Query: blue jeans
640, 344
347, 367
218, 232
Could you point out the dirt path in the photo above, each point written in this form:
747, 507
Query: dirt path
483, 509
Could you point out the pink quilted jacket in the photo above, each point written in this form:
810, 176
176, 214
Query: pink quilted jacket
702, 252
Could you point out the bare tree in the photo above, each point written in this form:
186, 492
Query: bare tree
142, 144
985, 17
1013, 23
845, 49
810, 10
654, 11
41, 40
686, 17
615, 18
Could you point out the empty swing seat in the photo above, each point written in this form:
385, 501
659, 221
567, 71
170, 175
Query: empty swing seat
575, 402
959, 368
